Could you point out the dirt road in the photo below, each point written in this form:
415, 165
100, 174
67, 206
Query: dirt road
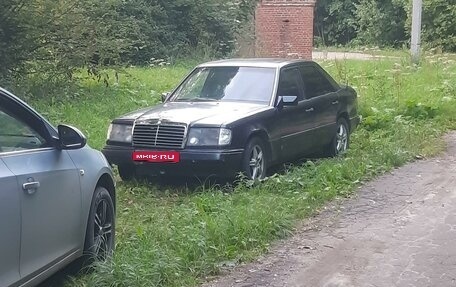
400, 230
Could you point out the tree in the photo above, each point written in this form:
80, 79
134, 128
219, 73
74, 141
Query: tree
13, 36
381, 23
335, 22
439, 24
53, 38
384, 23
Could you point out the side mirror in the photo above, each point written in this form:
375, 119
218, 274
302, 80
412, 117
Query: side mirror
287, 101
70, 138
165, 96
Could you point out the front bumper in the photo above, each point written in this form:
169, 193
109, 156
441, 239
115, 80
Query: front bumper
193, 162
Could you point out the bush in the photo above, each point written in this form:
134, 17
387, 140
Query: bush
421, 111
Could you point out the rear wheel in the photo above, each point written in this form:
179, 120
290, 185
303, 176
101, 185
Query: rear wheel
341, 140
255, 159
126, 172
100, 233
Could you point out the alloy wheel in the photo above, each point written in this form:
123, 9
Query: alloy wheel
341, 139
103, 230
256, 162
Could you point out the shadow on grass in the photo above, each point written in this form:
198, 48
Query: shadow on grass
175, 187
63, 276
185, 185
180, 185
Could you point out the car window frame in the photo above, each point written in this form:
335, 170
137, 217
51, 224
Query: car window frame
22, 112
282, 69
324, 74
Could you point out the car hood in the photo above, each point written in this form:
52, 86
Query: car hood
190, 113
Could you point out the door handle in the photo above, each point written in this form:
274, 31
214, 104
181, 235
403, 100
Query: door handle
310, 110
31, 186
335, 102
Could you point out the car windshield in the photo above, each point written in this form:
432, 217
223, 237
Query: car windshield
247, 84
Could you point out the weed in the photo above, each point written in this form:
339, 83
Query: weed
177, 235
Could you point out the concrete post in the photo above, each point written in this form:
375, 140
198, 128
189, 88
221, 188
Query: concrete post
416, 30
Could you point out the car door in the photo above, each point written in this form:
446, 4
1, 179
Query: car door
294, 122
10, 225
47, 186
324, 99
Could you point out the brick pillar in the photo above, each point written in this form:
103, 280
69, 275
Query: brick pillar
284, 28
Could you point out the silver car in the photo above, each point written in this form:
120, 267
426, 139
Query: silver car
57, 196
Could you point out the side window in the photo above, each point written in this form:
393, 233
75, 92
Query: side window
16, 135
315, 83
290, 83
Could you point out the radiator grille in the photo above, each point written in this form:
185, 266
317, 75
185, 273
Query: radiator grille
163, 136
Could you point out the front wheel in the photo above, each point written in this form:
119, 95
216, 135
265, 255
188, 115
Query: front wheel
127, 172
255, 159
341, 140
100, 234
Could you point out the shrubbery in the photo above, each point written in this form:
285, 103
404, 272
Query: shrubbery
53, 38
384, 23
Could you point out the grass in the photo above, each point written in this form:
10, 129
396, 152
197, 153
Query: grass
178, 235
374, 51
385, 52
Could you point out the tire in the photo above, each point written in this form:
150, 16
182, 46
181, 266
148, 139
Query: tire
254, 162
126, 172
100, 234
341, 140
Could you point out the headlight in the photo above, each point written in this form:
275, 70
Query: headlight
120, 133
209, 137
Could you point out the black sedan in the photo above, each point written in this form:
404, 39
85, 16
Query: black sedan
238, 115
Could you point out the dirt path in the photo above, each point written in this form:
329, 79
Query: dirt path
400, 230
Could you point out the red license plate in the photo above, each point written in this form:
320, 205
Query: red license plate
157, 156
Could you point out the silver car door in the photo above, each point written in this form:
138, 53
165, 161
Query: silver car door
10, 226
50, 194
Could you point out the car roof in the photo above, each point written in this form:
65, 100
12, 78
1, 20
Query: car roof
253, 62
2, 90
9, 95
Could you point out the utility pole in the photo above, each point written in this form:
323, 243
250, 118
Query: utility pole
416, 30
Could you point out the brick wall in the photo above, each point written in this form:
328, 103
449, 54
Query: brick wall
284, 28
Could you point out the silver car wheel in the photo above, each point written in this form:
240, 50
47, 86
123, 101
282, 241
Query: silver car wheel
257, 164
341, 139
103, 230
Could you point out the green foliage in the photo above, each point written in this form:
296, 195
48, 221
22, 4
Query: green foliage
384, 23
439, 24
335, 22
377, 121
420, 111
47, 41
365, 22
12, 37
380, 23
176, 28
178, 235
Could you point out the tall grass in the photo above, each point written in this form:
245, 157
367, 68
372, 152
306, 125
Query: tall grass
177, 236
